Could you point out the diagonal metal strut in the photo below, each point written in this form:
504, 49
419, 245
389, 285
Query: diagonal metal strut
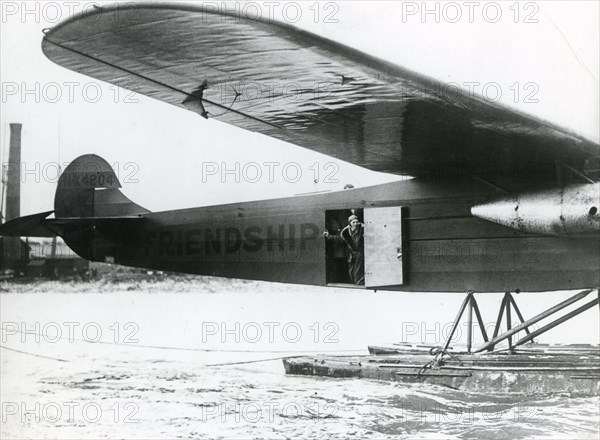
511, 331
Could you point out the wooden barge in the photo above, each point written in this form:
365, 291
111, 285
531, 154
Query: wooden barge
535, 369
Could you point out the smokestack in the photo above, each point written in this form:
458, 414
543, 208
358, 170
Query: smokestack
13, 174
12, 245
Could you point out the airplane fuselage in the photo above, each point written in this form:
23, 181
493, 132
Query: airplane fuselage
441, 246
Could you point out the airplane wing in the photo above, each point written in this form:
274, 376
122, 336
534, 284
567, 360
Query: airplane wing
292, 85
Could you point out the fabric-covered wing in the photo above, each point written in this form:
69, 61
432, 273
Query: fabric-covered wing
294, 86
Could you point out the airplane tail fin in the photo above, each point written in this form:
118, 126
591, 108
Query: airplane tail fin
90, 212
90, 188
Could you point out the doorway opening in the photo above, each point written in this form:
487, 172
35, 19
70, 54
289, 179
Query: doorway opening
368, 255
344, 248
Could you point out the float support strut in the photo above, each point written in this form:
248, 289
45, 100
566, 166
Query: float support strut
523, 326
558, 321
471, 303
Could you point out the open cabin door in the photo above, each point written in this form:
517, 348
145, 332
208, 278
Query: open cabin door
383, 246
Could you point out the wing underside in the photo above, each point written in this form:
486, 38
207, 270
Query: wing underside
297, 87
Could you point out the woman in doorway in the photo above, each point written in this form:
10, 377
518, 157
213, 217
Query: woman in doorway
353, 236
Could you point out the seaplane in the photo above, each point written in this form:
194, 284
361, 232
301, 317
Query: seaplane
497, 200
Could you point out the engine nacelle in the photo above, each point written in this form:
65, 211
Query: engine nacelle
572, 210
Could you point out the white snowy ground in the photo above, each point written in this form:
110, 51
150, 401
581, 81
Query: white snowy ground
148, 374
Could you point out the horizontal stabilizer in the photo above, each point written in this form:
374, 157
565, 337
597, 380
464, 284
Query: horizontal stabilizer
34, 225
38, 225
93, 220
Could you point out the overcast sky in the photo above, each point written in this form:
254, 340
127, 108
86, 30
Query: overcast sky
549, 55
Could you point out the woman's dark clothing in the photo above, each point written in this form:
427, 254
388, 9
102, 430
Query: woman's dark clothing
356, 257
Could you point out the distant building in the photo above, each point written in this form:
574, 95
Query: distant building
54, 260
10, 266
41, 260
